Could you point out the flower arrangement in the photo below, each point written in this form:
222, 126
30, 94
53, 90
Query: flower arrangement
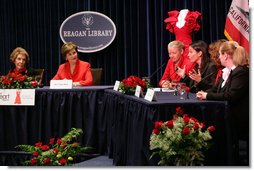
180, 141
17, 81
128, 85
59, 152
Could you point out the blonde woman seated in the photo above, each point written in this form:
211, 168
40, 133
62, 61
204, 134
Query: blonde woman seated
74, 69
176, 60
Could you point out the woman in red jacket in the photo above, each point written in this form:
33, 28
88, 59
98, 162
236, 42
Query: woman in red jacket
74, 69
176, 61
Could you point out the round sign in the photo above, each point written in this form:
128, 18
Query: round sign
90, 31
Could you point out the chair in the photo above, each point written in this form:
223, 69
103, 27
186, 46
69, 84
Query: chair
97, 74
38, 73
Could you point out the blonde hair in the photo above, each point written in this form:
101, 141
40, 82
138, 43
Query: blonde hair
16, 52
67, 47
236, 52
177, 44
240, 56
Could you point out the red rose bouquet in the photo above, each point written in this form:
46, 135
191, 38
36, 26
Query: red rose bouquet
180, 141
59, 152
128, 85
17, 81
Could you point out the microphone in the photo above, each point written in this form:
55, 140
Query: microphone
202, 79
169, 76
156, 71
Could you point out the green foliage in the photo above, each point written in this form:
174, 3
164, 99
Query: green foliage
180, 141
59, 152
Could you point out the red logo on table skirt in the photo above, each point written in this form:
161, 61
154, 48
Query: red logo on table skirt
18, 99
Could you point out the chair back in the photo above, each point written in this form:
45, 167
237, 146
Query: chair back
97, 74
38, 73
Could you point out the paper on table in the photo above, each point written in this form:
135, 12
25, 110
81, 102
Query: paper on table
167, 90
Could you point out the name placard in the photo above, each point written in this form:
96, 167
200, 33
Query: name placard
60, 84
150, 95
116, 86
137, 91
17, 97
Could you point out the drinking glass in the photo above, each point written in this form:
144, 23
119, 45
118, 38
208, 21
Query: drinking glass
181, 90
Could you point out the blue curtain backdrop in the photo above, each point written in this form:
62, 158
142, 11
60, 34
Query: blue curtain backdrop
140, 46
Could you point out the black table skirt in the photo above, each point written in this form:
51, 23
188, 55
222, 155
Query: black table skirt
131, 121
54, 114
113, 123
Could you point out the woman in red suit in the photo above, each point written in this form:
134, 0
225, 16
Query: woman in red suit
175, 52
73, 69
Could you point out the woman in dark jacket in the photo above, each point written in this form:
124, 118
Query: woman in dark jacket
203, 75
234, 88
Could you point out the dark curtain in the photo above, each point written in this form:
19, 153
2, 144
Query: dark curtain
140, 46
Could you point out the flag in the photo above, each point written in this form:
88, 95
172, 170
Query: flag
237, 25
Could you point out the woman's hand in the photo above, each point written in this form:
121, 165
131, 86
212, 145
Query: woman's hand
181, 72
75, 84
201, 95
166, 84
195, 76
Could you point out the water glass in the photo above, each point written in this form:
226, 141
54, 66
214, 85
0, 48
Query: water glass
181, 90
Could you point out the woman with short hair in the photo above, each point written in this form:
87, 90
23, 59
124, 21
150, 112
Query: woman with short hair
74, 69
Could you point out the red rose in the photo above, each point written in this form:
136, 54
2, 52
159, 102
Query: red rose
186, 130
45, 147
8, 82
186, 120
55, 150
46, 161
202, 125
179, 110
175, 116
156, 131
51, 140
34, 161
35, 153
62, 161
170, 124
17, 77
194, 119
34, 83
142, 83
21, 79
59, 141
38, 144
195, 126
158, 124
211, 128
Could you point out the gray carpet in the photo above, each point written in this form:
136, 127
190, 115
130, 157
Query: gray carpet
97, 161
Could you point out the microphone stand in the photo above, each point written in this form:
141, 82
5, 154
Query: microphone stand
148, 79
156, 70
